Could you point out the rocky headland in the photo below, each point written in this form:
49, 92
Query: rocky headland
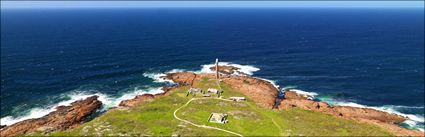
260, 91
382, 119
265, 94
64, 117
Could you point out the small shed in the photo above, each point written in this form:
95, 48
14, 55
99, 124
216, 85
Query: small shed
218, 118
237, 99
193, 91
213, 90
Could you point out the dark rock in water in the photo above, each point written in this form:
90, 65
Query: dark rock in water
64, 117
2, 126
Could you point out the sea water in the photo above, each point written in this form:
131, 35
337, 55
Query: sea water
357, 57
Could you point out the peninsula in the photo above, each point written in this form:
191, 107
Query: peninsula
215, 104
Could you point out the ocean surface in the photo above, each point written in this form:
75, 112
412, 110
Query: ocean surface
357, 57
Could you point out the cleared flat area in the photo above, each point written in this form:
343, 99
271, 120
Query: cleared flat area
246, 118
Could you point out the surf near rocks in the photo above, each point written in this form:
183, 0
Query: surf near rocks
382, 119
64, 117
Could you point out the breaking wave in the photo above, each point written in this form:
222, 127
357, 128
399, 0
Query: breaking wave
247, 69
302, 92
107, 102
40, 112
413, 122
271, 81
157, 76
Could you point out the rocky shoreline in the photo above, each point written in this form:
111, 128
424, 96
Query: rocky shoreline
262, 92
65, 117
382, 119
265, 94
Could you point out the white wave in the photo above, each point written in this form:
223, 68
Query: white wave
412, 121
271, 81
107, 102
247, 69
176, 70
136, 92
302, 92
157, 76
40, 112
407, 107
386, 108
34, 113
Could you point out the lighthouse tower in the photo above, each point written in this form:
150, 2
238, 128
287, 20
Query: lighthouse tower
217, 76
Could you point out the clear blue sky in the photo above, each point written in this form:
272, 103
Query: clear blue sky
213, 4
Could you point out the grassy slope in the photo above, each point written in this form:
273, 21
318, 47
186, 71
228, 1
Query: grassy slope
246, 118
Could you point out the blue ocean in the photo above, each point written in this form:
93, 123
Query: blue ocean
357, 57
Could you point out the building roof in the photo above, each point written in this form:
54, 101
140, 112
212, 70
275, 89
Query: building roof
195, 89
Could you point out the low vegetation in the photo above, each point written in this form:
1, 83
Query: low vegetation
246, 118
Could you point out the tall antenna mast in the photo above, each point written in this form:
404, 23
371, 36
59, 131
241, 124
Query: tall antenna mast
216, 69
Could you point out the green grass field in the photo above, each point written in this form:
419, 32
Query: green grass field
246, 118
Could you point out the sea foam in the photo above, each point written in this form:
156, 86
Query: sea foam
413, 122
109, 102
40, 112
302, 92
247, 69
106, 100
271, 81
157, 76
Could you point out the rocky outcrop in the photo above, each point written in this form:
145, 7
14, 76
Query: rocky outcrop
181, 78
294, 95
265, 94
376, 117
260, 91
137, 100
64, 117
228, 70
167, 91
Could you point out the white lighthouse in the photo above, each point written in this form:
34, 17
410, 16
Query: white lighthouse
217, 76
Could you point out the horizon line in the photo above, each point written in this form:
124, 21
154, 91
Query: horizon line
208, 4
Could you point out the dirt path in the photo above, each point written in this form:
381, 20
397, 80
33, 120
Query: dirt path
274, 122
202, 126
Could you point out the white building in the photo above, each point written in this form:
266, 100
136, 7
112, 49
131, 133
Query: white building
237, 99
